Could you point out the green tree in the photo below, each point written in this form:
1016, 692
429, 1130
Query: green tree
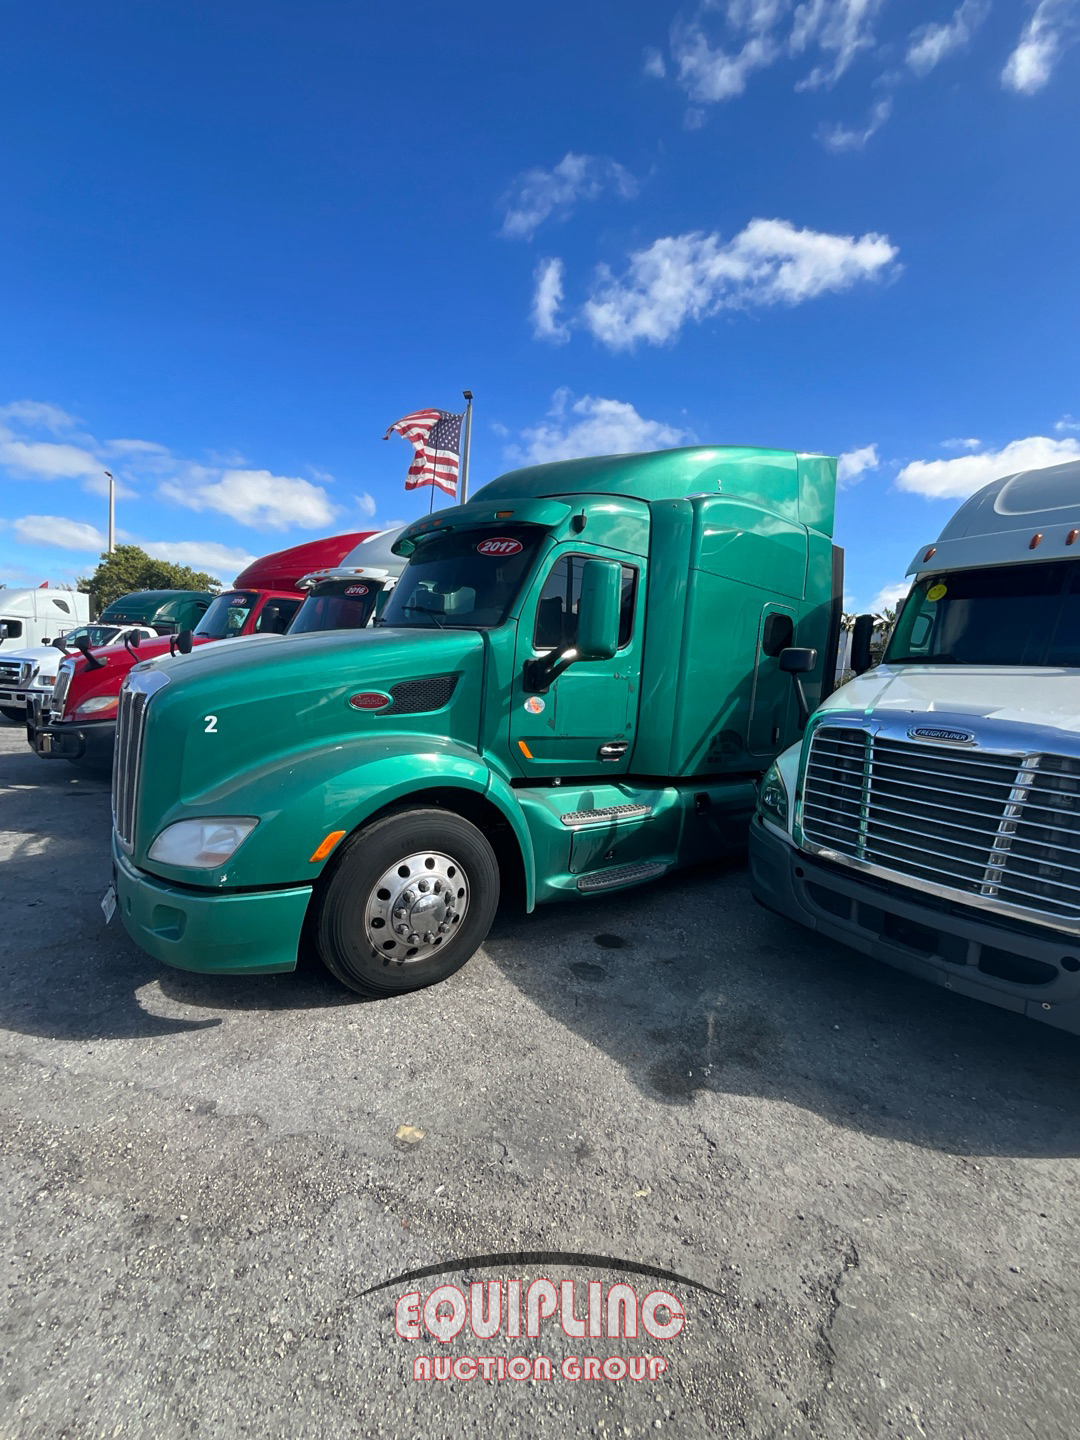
129, 568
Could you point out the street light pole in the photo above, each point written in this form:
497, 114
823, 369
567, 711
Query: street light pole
112, 510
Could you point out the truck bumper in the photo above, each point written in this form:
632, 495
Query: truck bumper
1021, 968
90, 744
222, 933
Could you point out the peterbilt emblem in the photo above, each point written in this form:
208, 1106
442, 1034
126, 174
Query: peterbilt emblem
942, 733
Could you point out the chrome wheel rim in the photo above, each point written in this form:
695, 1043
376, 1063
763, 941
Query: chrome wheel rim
416, 906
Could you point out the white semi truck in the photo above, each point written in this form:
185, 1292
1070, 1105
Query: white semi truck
930, 817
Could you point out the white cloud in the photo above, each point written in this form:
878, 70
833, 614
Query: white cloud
889, 596
653, 64
840, 138
1054, 26
136, 447
365, 503
38, 415
931, 44
959, 443
681, 278
56, 530
959, 478
592, 426
221, 561
258, 498
840, 28
1067, 425
539, 194
719, 48
45, 459
547, 302
853, 464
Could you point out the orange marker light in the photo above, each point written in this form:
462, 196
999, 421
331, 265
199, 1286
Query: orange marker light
525, 750
931, 552
327, 845
1035, 541
1071, 537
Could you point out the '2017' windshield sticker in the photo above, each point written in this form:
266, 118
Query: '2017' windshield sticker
937, 592
356, 590
498, 546
534, 705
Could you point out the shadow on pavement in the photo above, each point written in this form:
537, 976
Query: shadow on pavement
691, 987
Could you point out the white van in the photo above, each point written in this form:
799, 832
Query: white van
930, 817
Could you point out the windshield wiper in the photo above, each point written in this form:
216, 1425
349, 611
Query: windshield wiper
939, 657
424, 610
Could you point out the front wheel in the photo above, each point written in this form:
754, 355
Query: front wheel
9, 712
408, 900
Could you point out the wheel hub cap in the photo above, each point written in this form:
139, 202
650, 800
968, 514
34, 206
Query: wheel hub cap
416, 906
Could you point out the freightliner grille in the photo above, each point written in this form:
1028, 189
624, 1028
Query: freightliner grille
964, 821
127, 762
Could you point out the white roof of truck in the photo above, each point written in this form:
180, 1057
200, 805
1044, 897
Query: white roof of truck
1000, 523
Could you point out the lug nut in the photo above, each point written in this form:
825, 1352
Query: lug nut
414, 939
429, 938
424, 886
409, 897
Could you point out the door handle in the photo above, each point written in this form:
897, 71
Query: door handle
613, 750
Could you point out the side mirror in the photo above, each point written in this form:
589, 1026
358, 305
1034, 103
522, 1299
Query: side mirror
598, 610
861, 634
797, 662
599, 605
82, 644
184, 642
131, 642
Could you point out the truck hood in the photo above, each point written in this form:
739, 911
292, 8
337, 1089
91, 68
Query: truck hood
1021, 695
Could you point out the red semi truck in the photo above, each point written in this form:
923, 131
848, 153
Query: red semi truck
78, 721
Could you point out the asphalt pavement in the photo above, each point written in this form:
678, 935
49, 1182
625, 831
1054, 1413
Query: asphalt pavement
871, 1183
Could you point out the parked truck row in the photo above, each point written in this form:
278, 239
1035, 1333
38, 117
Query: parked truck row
594, 672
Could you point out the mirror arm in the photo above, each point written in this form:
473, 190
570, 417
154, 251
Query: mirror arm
800, 696
539, 673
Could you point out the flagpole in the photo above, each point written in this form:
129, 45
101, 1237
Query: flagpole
468, 442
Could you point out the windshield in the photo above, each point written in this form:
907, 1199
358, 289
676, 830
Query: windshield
227, 615
999, 615
96, 634
464, 580
337, 605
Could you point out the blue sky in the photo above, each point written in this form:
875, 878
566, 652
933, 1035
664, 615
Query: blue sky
238, 241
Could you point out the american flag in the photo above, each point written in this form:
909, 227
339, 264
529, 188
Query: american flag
435, 435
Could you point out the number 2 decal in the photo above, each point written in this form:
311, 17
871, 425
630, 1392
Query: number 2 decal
211, 725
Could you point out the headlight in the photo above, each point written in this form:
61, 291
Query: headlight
98, 705
204, 844
772, 797
45, 680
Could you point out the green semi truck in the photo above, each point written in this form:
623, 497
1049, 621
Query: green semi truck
575, 687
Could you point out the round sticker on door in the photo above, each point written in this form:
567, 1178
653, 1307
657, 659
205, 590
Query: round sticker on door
937, 592
534, 705
499, 545
356, 590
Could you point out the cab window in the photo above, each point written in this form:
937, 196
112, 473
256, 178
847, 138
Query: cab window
557, 611
275, 615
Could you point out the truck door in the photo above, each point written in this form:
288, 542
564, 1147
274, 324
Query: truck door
773, 694
586, 722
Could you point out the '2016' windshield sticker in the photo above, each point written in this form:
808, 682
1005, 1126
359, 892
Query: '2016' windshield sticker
937, 592
534, 705
499, 545
356, 590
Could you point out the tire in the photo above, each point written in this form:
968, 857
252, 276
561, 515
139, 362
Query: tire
451, 887
9, 712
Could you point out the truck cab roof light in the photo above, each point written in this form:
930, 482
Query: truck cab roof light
1071, 537
930, 553
1035, 541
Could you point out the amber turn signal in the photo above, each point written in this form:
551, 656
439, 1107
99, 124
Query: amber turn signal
327, 845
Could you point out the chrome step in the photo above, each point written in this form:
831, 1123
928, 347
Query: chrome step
612, 812
621, 875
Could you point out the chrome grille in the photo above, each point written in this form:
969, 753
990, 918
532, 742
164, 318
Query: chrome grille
130, 724
997, 828
10, 673
60, 689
